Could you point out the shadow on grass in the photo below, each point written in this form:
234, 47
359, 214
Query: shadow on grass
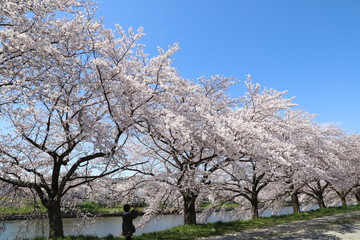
310, 230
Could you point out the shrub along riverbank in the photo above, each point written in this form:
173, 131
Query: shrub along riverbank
213, 229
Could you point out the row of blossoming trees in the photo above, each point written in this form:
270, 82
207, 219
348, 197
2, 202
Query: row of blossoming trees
80, 103
251, 151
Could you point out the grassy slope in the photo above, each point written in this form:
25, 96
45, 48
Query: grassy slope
28, 207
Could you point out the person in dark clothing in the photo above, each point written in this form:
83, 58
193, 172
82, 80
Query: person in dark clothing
128, 227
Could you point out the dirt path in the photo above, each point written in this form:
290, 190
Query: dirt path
344, 226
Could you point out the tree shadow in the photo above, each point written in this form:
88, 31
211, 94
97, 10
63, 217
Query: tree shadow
320, 230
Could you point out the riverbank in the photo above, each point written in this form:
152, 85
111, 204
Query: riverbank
230, 229
206, 231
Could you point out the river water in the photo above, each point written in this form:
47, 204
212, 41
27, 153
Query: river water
18, 229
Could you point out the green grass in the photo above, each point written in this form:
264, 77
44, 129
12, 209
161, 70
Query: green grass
27, 207
17, 210
92, 207
23, 207
226, 205
220, 228
96, 208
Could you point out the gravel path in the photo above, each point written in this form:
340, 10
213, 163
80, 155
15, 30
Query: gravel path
344, 226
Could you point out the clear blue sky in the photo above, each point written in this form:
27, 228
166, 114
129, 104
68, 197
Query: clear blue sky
309, 47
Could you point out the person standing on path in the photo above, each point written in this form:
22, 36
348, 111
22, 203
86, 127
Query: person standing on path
128, 227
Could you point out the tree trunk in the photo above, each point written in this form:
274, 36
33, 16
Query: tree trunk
319, 192
320, 200
55, 220
343, 201
357, 196
295, 203
189, 208
254, 208
342, 195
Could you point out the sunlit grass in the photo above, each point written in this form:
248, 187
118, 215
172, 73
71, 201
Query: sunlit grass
16, 210
22, 207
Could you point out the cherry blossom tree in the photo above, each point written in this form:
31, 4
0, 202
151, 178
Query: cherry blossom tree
246, 129
322, 155
343, 174
75, 94
29, 40
71, 91
254, 152
353, 167
247, 180
183, 135
297, 128
317, 190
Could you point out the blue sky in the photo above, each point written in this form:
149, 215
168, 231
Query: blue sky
309, 47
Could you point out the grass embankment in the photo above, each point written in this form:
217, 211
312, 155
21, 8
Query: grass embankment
220, 228
98, 208
28, 207
11, 207
20, 210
